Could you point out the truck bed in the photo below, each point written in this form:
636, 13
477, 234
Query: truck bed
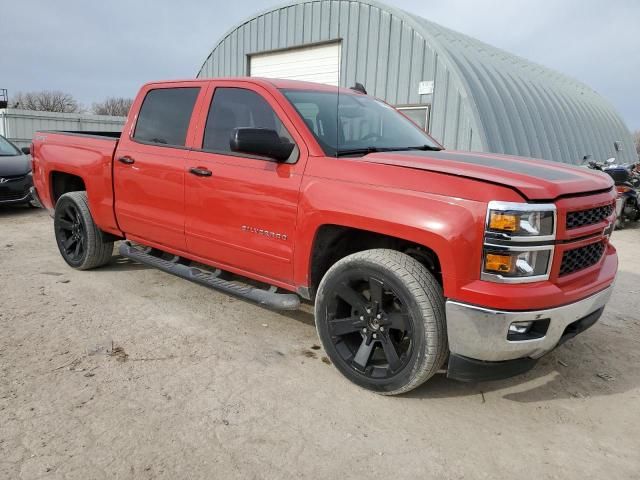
66, 156
86, 133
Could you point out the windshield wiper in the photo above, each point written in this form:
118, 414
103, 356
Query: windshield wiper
368, 150
358, 151
426, 148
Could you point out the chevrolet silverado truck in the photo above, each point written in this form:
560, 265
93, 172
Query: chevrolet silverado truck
417, 259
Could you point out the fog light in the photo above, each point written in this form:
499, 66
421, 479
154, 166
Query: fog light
529, 330
520, 328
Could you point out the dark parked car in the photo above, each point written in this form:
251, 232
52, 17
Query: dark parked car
15, 174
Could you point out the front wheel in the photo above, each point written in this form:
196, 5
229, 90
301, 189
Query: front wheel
380, 317
81, 243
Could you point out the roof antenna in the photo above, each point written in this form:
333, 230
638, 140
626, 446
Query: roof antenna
358, 87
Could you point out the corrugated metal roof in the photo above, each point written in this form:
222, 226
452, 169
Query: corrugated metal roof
484, 98
20, 125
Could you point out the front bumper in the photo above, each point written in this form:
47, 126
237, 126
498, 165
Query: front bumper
16, 190
478, 334
35, 197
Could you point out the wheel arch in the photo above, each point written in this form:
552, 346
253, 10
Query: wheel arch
63, 182
332, 242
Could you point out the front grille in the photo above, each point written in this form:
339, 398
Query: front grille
13, 178
588, 217
581, 258
9, 196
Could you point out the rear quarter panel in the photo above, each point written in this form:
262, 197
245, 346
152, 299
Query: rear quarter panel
85, 156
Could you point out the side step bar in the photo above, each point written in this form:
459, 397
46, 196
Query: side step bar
267, 298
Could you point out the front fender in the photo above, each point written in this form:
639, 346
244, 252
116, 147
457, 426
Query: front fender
451, 227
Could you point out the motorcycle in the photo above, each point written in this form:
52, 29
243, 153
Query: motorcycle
624, 177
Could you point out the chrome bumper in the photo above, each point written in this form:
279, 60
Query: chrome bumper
481, 333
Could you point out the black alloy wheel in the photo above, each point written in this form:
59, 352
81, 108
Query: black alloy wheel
380, 317
369, 325
81, 243
71, 233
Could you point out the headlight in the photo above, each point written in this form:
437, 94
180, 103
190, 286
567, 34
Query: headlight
508, 263
521, 220
518, 243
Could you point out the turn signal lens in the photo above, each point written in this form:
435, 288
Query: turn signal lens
503, 221
622, 188
510, 220
498, 263
518, 264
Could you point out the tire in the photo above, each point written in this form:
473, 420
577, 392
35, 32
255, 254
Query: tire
81, 243
406, 312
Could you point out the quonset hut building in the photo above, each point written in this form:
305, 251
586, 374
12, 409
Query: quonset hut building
467, 94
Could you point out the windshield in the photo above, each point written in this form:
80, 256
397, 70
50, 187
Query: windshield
357, 125
7, 149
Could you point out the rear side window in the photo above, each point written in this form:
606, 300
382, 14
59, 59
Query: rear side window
164, 116
236, 108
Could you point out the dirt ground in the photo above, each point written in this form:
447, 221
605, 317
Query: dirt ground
128, 372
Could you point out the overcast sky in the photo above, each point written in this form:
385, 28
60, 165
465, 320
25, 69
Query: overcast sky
95, 50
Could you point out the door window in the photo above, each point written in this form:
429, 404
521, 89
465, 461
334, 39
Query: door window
165, 115
233, 108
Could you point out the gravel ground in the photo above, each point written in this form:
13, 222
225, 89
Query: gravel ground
128, 372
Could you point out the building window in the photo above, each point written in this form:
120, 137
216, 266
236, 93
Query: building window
419, 114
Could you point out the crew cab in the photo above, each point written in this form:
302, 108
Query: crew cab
417, 258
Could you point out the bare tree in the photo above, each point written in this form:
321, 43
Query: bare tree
636, 139
117, 106
46, 101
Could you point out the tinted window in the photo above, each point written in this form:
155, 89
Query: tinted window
352, 121
236, 108
165, 115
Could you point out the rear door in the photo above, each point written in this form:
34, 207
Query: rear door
149, 165
243, 215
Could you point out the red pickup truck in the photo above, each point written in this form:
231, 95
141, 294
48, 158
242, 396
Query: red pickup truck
416, 258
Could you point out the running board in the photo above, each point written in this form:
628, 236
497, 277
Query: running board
267, 298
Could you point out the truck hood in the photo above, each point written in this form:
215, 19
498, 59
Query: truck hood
532, 178
14, 165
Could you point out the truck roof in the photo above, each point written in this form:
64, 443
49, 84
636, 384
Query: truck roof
265, 82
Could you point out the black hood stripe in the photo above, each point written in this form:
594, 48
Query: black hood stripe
521, 168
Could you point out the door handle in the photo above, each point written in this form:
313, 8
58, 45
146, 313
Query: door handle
200, 172
126, 160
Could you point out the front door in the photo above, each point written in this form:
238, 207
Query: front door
149, 167
242, 213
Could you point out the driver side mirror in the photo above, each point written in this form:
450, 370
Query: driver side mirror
26, 150
263, 142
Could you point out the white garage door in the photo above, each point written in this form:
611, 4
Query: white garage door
320, 64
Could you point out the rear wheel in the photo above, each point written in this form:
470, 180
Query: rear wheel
380, 317
81, 243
